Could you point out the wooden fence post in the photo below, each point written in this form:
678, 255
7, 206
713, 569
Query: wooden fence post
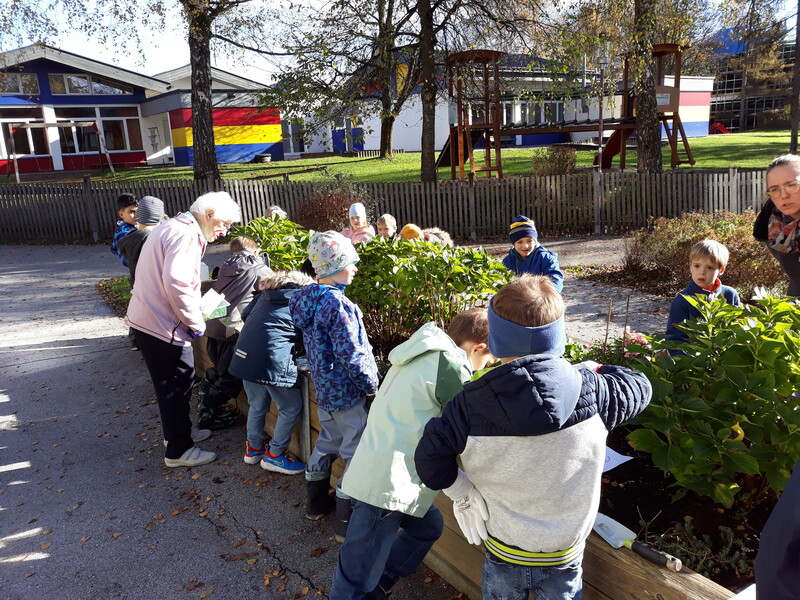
473, 233
91, 209
733, 184
597, 196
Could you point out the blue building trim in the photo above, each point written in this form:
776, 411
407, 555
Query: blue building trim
231, 153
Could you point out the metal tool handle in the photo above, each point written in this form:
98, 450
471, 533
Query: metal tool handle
656, 556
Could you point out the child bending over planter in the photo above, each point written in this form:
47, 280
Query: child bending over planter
264, 359
342, 367
548, 420
394, 522
360, 230
707, 261
528, 255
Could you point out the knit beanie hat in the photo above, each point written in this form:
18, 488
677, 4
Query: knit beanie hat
522, 227
330, 252
411, 232
150, 211
357, 210
507, 338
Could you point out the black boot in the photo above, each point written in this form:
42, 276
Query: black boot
344, 508
383, 589
318, 501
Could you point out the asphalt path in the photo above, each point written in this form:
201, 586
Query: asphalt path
87, 508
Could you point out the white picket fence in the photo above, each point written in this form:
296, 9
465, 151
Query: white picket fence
561, 205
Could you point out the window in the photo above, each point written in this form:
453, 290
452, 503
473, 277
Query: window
120, 127
80, 84
26, 141
19, 83
508, 113
553, 111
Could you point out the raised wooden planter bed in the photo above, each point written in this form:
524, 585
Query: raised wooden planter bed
609, 573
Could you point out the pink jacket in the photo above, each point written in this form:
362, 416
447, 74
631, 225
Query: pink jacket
364, 234
166, 295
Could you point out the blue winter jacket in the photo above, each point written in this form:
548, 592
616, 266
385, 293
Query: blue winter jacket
539, 262
531, 435
120, 231
340, 358
269, 341
680, 310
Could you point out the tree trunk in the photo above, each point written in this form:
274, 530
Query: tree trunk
205, 153
387, 128
428, 91
648, 127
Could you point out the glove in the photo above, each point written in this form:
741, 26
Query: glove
590, 365
469, 509
193, 335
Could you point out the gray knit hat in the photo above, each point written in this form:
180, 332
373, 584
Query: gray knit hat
150, 211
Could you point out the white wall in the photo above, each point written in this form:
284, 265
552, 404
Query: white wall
162, 154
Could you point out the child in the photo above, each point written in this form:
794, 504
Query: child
126, 209
529, 256
238, 281
342, 367
427, 371
149, 213
707, 261
360, 230
387, 226
548, 421
264, 359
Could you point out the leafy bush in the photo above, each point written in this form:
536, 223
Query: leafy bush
285, 242
624, 351
326, 208
554, 160
402, 285
664, 246
725, 418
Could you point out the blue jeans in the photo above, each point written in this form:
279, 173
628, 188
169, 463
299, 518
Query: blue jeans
506, 581
290, 404
382, 546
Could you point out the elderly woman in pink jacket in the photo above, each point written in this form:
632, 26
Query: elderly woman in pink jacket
164, 313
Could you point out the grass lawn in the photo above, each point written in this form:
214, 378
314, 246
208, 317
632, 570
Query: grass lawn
749, 150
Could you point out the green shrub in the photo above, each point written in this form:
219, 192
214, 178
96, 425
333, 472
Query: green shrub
554, 160
664, 247
400, 285
724, 419
403, 285
285, 242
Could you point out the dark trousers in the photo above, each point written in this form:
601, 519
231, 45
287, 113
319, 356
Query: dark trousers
172, 370
223, 385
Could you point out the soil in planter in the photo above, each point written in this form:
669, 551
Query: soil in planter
717, 543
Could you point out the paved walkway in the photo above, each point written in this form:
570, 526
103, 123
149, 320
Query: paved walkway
87, 509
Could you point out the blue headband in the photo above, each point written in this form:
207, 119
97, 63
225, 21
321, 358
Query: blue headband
508, 339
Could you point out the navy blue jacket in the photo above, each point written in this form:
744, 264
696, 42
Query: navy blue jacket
680, 310
269, 341
539, 262
531, 435
778, 560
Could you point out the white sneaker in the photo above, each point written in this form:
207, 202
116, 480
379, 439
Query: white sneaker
193, 457
198, 435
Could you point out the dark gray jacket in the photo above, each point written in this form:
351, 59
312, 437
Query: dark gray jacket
789, 261
238, 280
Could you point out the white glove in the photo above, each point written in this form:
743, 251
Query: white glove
588, 364
469, 509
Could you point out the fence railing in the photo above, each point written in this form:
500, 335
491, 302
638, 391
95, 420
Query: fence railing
561, 205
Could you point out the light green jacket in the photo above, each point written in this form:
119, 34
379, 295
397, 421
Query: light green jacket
427, 371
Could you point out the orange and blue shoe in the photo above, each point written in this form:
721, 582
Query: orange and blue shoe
253, 455
283, 463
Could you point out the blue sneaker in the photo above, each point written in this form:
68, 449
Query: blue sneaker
284, 463
253, 455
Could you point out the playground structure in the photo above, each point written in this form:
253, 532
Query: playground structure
484, 66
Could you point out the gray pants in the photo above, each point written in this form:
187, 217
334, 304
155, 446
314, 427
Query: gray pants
340, 432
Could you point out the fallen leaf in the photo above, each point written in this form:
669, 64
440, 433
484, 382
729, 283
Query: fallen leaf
266, 580
47, 532
281, 588
207, 592
252, 561
117, 534
175, 513
318, 552
150, 526
158, 516
197, 476
46, 546
427, 579
29, 574
85, 538
304, 591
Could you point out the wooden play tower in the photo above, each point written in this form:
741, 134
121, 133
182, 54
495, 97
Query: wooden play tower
478, 117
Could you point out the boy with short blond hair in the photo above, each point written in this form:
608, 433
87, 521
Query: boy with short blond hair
548, 420
394, 522
708, 259
387, 226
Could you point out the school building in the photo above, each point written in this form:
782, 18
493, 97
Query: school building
61, 111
